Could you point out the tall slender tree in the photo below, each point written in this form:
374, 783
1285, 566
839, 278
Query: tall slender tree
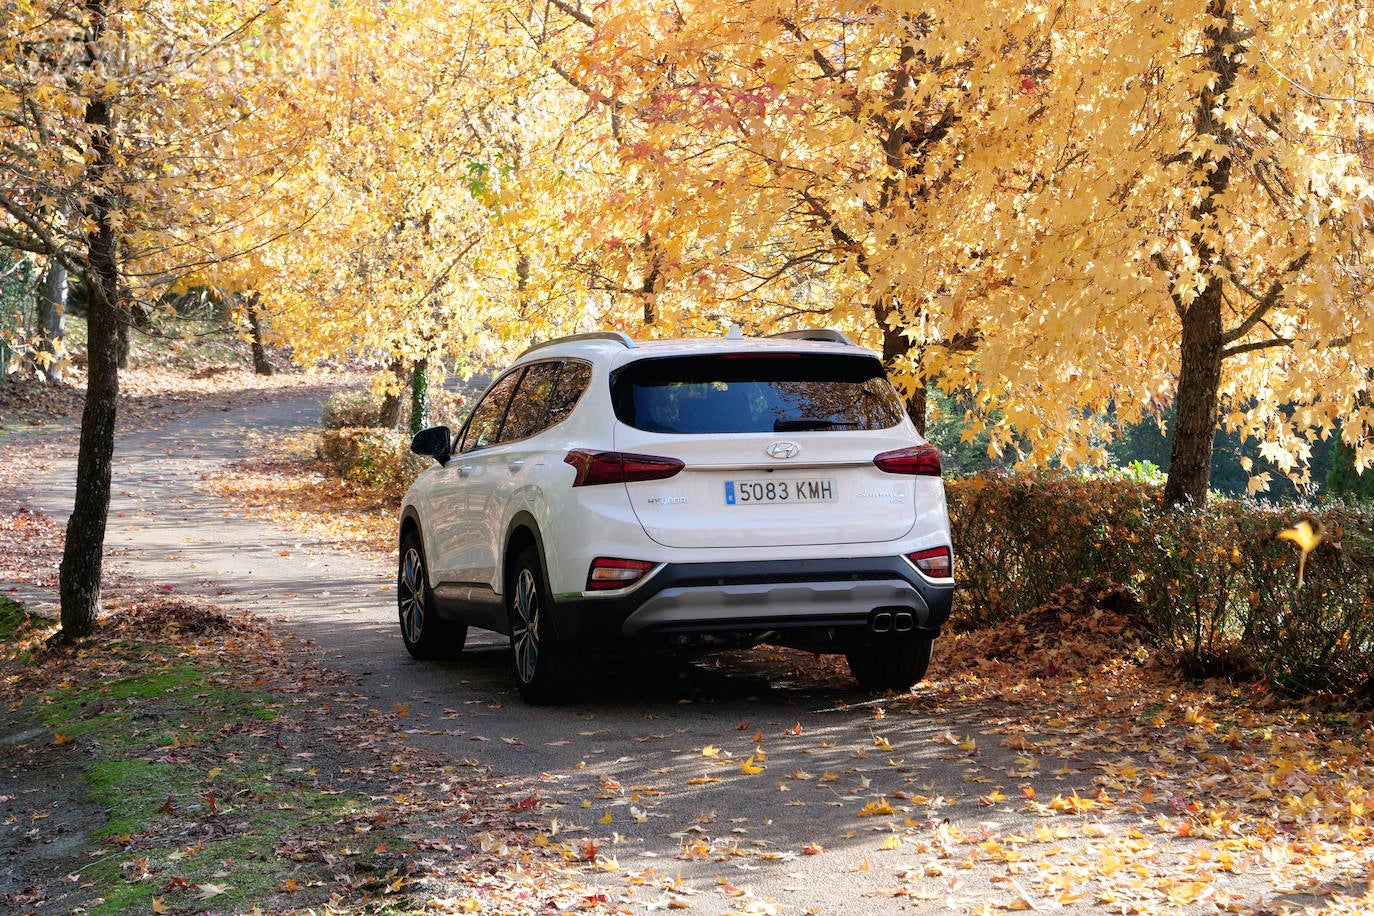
120, 130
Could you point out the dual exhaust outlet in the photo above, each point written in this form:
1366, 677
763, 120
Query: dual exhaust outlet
897, 620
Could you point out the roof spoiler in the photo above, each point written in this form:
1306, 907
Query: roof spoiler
820, 335
619, 337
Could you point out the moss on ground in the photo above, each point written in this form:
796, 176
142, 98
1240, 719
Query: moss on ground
13, 620
199, 794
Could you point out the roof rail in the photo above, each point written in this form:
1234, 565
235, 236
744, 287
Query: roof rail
619, 337
822, 335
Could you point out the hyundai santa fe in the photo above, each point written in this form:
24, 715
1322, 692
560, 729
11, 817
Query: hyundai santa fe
609, 496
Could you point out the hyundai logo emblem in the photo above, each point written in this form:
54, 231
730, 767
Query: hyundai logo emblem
783, 449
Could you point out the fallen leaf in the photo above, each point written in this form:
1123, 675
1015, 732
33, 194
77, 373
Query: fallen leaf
212, 890
750, 767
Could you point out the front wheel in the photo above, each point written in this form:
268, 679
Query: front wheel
547, 674
893, 664
425, 635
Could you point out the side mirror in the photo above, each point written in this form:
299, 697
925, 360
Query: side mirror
433, 442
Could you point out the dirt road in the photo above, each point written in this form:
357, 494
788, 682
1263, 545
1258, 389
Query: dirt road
766, 780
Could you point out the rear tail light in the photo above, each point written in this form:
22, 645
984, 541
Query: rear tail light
935, 562
595, 467
923, 460
612, 572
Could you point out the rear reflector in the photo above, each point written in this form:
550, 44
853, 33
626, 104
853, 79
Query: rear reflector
595, 467
612, 572
935, 562
923, 460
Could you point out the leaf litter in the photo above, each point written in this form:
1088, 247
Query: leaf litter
1093, 779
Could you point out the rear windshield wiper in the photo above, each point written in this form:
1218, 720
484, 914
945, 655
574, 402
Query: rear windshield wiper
795, 424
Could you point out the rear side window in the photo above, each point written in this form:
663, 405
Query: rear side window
531, 402
572, 381
485, 424
747, 393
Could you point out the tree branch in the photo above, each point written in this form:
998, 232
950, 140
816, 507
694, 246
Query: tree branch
575, 12
1256, 345
45, 242
1159, 261
821, 60
1266, 302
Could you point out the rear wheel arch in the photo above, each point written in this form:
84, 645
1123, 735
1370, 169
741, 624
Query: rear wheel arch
410, 526
522, 532
410, 523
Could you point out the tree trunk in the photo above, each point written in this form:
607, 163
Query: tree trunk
1199, 381
52, 320
261, 365
389, 415
419, 396
895, 345
121, 352
651, 286
83, 553
1202, 347
917, 407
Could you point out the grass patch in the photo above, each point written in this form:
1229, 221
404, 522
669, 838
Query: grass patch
13, 620
204, 802
20, 632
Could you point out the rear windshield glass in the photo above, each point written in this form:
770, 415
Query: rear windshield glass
745, 393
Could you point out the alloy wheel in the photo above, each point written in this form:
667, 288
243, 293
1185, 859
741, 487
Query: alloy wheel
412, 595
525, 626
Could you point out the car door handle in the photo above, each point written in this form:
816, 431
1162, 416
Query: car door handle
465, 471
516, 465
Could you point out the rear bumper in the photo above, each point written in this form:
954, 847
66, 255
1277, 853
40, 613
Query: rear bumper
758, 596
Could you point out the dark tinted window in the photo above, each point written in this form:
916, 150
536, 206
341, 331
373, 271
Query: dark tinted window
485, 424
746, 393
572, 381
530, 405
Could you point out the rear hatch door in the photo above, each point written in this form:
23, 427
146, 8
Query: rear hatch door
778, 448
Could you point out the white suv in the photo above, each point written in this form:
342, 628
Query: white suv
607, 495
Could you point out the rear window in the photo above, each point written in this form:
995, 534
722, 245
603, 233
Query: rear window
745, 393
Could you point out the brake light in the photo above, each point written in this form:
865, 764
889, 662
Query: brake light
935, 562
922, 460
595, 467
613, 572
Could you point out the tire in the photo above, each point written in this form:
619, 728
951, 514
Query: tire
425, 635
547, 673
893, 664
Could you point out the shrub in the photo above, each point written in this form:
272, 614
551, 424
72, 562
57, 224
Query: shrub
350, 409
362, 409
1320, 637
1214, 585
379, 459
1021, 538
445, 408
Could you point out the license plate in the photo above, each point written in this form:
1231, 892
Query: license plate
792, 490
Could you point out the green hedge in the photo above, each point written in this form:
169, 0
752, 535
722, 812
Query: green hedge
1214, 585
359, 409
379, 459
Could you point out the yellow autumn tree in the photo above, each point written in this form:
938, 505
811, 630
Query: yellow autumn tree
1205, 245
1083, 214
432, 219
122, 128
809, 163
